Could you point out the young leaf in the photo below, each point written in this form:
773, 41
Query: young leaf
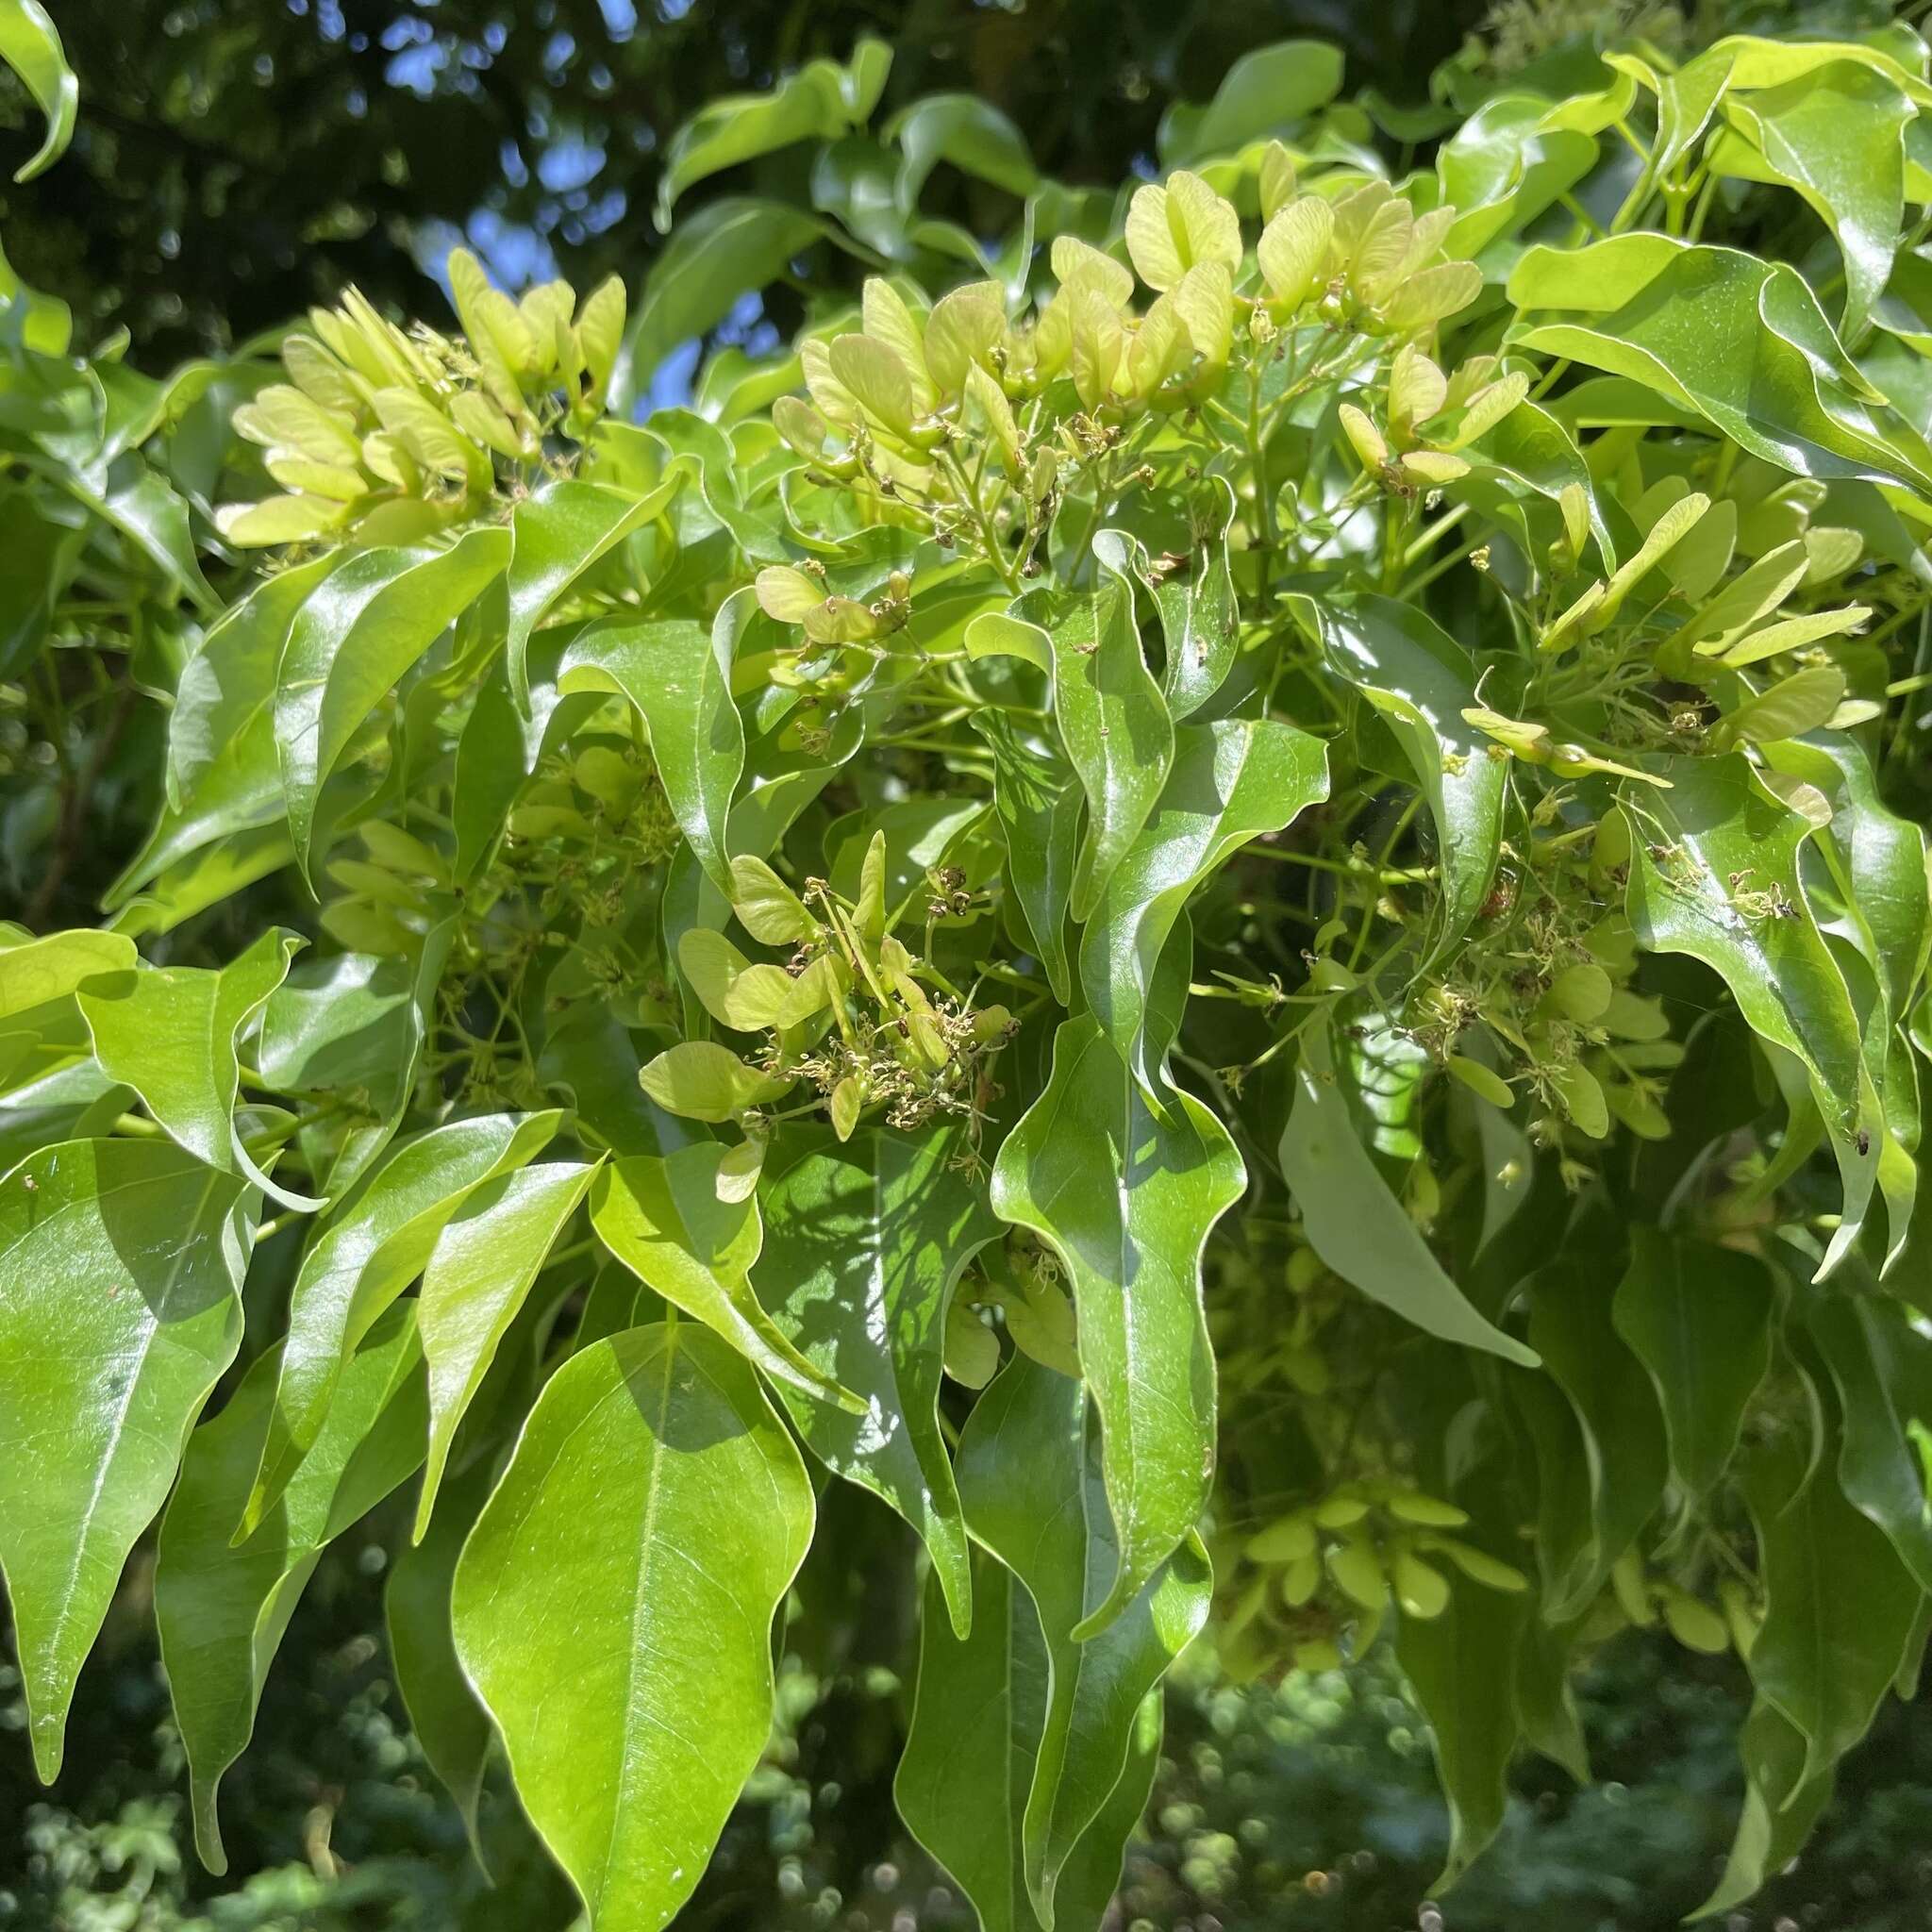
121, 1266
1126, 1198
613, 1608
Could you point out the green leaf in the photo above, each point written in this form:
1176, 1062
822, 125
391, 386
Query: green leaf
863, 1243
1882, 1370
664, 1219
356, 634
613, 1608
1113, 723
679, 679
1626, 1457
732, 247
557, 533
1740, 341
40, 971
1127, 1199
1502, 167
1718, 824
1698, 1317
967, 1767
1781, 1804
486, 1257
223, 1608
1037, 799
1268, 90
1357, 1226
1455, 1665
972, 134
1836, 135
1839, 1605
1422, 682
1030, 1478
366, 1254
170, 1033
819, 102
30, 44
1231, 781
353, 1026
121, 1266
450, 1724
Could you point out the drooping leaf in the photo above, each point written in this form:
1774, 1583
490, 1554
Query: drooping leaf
1839, 1605
221, 1608
1037, 800
121, 1266
1698, 1318
613, 1608
863, 1243
30, 44
1126, 1198
1782, 1803
1356, 1224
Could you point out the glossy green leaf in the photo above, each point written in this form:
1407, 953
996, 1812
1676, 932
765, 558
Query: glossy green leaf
1740, 341
964, 130
367, 1253
1268, 90
1127, 1199
223, 1608
1422, 682
557, 533
613, 1608
1230, 782
863, 1244
30, 44
1113, 723
487, 1255
1699, 1319
680, 677
170, 1033
36, 971
1357, 1225
664, 1219
1782, 1803
356, 633
121, 1266
1837, 136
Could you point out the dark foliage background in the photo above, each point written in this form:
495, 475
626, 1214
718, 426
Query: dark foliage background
238, 160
